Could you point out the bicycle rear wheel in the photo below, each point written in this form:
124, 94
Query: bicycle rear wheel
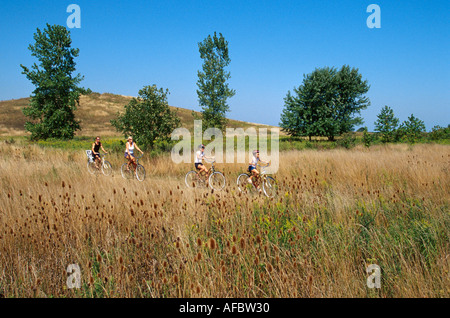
91, 167
217, 181
106, 168
191, 179
243, 184
126, 174
270, 187
140, 172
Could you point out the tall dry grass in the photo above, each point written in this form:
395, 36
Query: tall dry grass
336, 212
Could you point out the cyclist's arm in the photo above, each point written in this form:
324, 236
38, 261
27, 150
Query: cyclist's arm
104, 149
262, 162
138, 148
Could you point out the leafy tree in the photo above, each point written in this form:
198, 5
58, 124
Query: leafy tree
413, 128
439, 133
56, 96
213, 90
326, 104
386, 124
147, 118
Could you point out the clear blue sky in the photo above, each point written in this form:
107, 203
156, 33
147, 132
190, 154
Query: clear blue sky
125, 45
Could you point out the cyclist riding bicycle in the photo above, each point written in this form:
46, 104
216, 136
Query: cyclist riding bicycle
129, 152
199, 156
252, 166
96, 151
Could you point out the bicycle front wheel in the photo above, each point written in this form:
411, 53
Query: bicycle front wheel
270, 187
140, 173
126, 174
217, 180
106, 168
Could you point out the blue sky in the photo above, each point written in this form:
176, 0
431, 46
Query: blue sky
127, 45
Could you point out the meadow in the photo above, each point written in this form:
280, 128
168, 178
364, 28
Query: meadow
337, 211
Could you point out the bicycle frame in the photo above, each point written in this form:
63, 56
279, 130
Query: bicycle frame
261, 176
136, 163
102, 159
211, 170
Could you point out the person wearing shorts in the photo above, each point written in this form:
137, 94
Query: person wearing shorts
199, 156
96, 151
129, 152
252, 166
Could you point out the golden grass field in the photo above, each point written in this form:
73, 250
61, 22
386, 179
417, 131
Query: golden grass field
337, 211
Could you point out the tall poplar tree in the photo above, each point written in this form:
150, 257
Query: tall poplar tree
213, 90
56, 96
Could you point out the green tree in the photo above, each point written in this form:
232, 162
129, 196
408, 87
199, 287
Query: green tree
213, 90
386, 124
413, 128
439, 133
56, 96
326, 104
148, 117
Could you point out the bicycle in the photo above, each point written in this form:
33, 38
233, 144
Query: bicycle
130, 170
269, 184
216, 179
94, 167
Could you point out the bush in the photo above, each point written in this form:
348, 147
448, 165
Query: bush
367, 138
347, 141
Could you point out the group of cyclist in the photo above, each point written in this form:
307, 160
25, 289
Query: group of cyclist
129, 152
199, 157
254, 173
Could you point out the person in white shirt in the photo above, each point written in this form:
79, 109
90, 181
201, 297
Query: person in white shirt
252, 166
129, 152
199, 156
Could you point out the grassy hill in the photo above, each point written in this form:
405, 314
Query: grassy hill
95, 112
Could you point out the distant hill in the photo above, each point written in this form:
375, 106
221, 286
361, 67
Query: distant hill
95, 112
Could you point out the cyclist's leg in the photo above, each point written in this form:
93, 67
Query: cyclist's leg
250, 170
131, 159
206, 171
255, 178
202, 171
198, 168
97, 160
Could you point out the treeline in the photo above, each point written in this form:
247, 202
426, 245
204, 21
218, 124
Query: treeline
327, 104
